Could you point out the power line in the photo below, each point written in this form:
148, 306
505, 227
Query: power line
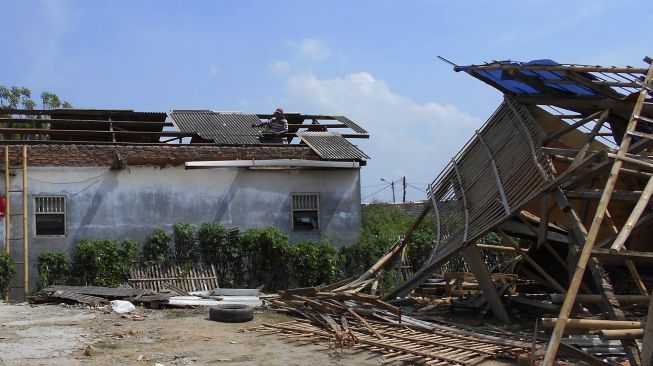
372, 194
374, 185
419, 189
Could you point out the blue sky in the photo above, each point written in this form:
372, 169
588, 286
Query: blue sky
373, 61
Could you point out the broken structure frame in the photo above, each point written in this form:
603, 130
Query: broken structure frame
570, 166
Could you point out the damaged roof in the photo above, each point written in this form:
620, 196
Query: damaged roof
181, 127
548, 78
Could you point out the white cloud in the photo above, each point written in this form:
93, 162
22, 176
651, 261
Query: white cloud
279, 67
406, 138
214, 70
310, 48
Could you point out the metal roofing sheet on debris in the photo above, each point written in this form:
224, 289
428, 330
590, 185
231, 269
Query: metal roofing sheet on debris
331, 146
223, 128
350, 124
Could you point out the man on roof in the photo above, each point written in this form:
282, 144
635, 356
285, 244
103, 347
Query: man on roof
278, 124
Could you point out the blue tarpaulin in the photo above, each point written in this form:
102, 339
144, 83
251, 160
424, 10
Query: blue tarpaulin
551, 79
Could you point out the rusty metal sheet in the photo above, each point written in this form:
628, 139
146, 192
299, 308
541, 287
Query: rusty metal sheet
331, 146
229, 128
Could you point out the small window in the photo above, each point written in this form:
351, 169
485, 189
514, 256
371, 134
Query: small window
305, 211
50, 215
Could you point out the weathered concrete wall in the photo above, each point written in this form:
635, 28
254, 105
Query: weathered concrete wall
129, 203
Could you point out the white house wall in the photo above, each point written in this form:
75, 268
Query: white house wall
130, 203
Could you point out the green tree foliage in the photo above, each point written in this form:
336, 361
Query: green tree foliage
7, 270
187, 248
102, 262
156, 247
20, 97
53, 268
16, 97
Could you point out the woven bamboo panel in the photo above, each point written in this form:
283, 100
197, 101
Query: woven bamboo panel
154, 276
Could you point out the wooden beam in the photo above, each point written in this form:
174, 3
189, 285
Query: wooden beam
532, 262
647, 341
635, 256
590, 138
68, 121
595, 194
474, 259
575, 68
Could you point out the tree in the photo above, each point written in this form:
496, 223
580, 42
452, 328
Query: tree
16, 97
20, 97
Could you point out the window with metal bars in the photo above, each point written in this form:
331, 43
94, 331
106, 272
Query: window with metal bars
305, 211
50, 215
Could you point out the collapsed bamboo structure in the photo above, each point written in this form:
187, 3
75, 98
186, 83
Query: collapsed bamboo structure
564, 163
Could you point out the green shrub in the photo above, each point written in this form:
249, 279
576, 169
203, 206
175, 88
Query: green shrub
213, 240
102, 262
54, 268
267, 255
420, 248
186, 243
313, 263
7, 270
156, 247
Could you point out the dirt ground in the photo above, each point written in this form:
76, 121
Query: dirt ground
60, 335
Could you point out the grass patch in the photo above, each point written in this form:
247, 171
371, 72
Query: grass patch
107, 345
182, 313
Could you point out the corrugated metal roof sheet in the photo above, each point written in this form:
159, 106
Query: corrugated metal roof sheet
350, 124
331, 146
230, 128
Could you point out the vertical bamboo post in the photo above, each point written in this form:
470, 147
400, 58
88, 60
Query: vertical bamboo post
25, 244
7, 213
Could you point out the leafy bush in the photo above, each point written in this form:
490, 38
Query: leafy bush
53, 267
213, 240
314, 263
102, 262
7, 270
420, 247
156, 247
186, 243
267, 255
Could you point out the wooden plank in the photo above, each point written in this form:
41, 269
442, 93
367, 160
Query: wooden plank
474, 259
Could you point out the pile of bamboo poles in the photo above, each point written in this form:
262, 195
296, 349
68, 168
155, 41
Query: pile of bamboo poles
348, 319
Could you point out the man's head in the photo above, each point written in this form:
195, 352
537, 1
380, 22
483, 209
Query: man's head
278, 112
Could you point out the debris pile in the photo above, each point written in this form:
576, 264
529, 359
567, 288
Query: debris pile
346, 318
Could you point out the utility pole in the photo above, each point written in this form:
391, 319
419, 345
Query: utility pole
404, 179
392, 184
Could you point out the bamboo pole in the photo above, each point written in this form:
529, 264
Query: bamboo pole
635, 214
7, 213
593, 324
620, 334
25, 242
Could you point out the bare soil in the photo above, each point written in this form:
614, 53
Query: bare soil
70, 335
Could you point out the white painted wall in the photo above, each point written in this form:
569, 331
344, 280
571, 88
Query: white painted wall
129, 203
